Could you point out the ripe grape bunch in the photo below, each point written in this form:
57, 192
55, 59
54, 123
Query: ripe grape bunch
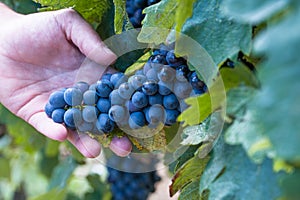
134, 9
153, 96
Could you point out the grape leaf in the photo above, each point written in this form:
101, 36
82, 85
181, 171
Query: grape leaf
120, 15
277, 103
22, 6
290, 185
254, 11
5, 168
183, 12
186, 153
207, 103
62, 173
231, 175
138, 64
91, 10
189, 172
219, 35
191, 191
55, 193
159, 19
207, 131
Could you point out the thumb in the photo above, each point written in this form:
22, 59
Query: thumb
80, 33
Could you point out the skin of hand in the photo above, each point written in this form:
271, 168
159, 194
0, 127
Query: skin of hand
41, 53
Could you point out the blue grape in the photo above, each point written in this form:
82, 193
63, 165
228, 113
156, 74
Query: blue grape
170, 101
125, 90
93, 86
104, 88
172, 60
182, 89
106, 76
140, 3
155, 114
155, 99
73, 96
196, 83
139, 72
131, 107
90, 113
158, 59
72, 117
103, 105
167, 74
49, 109
146, 67
115, 98
85, 127
56, 99
165, 88
90, 97
137, 120
139, 99
150, 88
152, 75
58, 115
117, 113
182, 73
171, 116
82, 86
117, 79
137, 81
104, 123
198, 91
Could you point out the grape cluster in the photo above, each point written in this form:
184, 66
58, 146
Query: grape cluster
152, 96
130, 185
134, 9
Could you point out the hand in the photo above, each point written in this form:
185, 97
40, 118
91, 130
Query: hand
41, 53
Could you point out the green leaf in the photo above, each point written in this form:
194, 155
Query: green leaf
55, 193
191, 191
290, 184
238, 99
62, 173
91, 10
5, 168
139, 64
22, 6
231, 175
52, 148
245, 129
159, 19
182, 155
101, 189
219, 35
183, 12
207, 131
249, 133
127, 48
277, 104
191, 171
216, 98
120, 15
254, 11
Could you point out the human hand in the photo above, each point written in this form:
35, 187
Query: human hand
41, 53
